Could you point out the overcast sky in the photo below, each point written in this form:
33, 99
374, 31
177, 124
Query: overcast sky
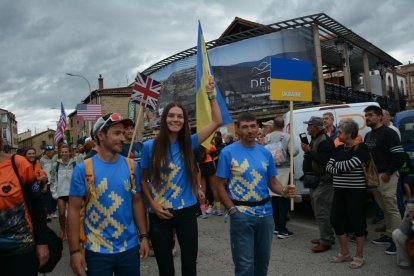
42, 40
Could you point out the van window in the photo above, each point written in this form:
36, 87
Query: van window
407, 130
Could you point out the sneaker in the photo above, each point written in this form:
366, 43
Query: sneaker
391, 250
209, 210
383, 239
217, 212
275, 232
284, 235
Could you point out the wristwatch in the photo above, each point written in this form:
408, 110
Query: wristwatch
144, 235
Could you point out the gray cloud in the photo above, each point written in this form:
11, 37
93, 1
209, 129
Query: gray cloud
42, 40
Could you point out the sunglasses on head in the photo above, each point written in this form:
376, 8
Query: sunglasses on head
115, 117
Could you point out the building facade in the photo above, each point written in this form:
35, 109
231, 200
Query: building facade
38, 141
8, 127
408, 72
111, 100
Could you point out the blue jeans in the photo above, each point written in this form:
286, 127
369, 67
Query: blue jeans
125, 263
251, 243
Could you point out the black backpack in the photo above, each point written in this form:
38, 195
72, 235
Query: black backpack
54, 243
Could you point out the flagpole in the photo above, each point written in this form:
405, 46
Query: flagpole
291, 182
140, 114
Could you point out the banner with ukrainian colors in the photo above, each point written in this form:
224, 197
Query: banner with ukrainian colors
203, 108
290, 80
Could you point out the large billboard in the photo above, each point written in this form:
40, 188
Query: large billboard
241, 70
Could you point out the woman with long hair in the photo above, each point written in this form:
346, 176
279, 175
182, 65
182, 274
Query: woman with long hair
61, 175
41, 175
169, 163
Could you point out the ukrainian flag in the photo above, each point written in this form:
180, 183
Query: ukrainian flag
203, 70
290, 80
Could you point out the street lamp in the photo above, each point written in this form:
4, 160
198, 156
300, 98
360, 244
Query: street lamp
89, 85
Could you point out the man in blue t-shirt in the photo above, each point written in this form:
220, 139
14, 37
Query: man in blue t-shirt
245, 172
114, 211
136, 146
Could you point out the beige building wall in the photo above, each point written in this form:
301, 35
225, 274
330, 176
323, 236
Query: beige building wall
8, 129
408, 72
38, 141
111, 100
24, 135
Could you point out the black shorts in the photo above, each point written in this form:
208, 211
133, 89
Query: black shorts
64, 198
208, 168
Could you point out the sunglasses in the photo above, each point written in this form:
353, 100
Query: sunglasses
115, 117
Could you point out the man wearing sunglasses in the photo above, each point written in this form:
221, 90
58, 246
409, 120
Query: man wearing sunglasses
114, 210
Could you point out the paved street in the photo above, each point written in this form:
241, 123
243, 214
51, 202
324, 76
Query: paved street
289, 256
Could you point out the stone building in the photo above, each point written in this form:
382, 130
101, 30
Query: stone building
408, 71
38, 141
8, 127
111, 100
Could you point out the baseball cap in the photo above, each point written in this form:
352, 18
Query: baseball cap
110, 120
49, 147
316, 121
268, 123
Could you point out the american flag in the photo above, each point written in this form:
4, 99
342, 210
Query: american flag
61, 126
146, 91
89, 112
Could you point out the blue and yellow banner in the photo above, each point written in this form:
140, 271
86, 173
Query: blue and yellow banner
290, 80
203, 108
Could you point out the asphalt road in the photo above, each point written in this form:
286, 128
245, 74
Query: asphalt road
289, 256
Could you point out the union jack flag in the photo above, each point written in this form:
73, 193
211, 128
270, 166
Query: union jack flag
146, 91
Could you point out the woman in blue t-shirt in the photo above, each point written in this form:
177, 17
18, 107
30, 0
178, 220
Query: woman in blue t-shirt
169, 164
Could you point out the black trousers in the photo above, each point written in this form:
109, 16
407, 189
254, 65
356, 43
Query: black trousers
348, 211
280, 207
161, 231
21, 264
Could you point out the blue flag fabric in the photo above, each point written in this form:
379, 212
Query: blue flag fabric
203, 70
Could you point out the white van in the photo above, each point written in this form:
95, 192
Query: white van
354, 111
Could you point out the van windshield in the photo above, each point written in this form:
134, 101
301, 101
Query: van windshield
407, 130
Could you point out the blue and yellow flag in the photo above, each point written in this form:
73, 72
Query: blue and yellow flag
290, 80
203, 108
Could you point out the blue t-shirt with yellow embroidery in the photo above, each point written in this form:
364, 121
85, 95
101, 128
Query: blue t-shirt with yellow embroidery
175, 189
109, 222
248, 170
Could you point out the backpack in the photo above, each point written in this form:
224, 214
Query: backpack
278, 151
54, 243
90, 192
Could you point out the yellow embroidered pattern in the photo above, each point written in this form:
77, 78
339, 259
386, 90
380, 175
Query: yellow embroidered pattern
159, 195
240, 188
103, 215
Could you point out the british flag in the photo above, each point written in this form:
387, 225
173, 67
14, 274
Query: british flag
146, 91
